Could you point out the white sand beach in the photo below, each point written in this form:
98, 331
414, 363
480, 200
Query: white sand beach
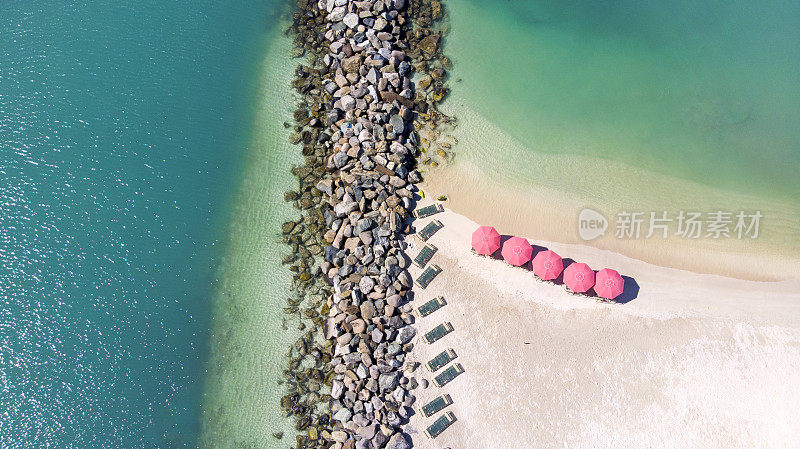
692, 361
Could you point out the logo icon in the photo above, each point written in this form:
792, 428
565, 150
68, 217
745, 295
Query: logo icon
591, 224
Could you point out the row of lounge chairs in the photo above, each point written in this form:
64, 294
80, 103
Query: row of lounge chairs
435, 364
444, 421
425, 278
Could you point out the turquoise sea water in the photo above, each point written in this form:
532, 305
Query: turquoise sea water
706, 91
122, 133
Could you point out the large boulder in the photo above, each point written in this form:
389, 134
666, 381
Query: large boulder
367, 307
351, 20
388, 381
337, 389
398, 441
405, 334
366, 284
343, 415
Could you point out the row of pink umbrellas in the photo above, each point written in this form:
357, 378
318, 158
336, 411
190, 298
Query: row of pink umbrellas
548, 265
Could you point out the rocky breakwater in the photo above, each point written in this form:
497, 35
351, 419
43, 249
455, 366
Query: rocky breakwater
370, 194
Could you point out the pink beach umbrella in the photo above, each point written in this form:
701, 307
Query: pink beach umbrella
547, 265
579, 277
485, 240
609, 284
517, 251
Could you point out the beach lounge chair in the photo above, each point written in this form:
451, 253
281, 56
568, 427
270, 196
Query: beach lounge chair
431, 306
440, 425
441, 360
427, 211
428, 275
438, 332
449, 374
425, 255
436, 405
429, 230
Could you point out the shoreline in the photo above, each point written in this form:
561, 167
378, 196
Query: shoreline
241, 399
551, 213
718, 352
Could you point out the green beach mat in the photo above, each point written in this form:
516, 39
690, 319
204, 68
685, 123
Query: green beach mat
425, 255
436, 405
440, 425
429, 230
431, 306
441, 360
449, 374
427, 211
438, 332
428, 275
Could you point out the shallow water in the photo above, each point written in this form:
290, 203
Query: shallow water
704, 91
122, 133
250, 332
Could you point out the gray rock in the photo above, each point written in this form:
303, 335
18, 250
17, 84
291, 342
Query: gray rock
348, 103
367, 308
340, 159
366, 284
405, 279
378, 440
359, 326
351, 20
393, 419
394, 300
325, 186
337, 389
368, 431
339, 435
345, 208
397, 124
399, 394
373, 76
377, 403
343, 415
360, 420
406, 334
337, 14
403, 68
398, 440
388, 381
362, 225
